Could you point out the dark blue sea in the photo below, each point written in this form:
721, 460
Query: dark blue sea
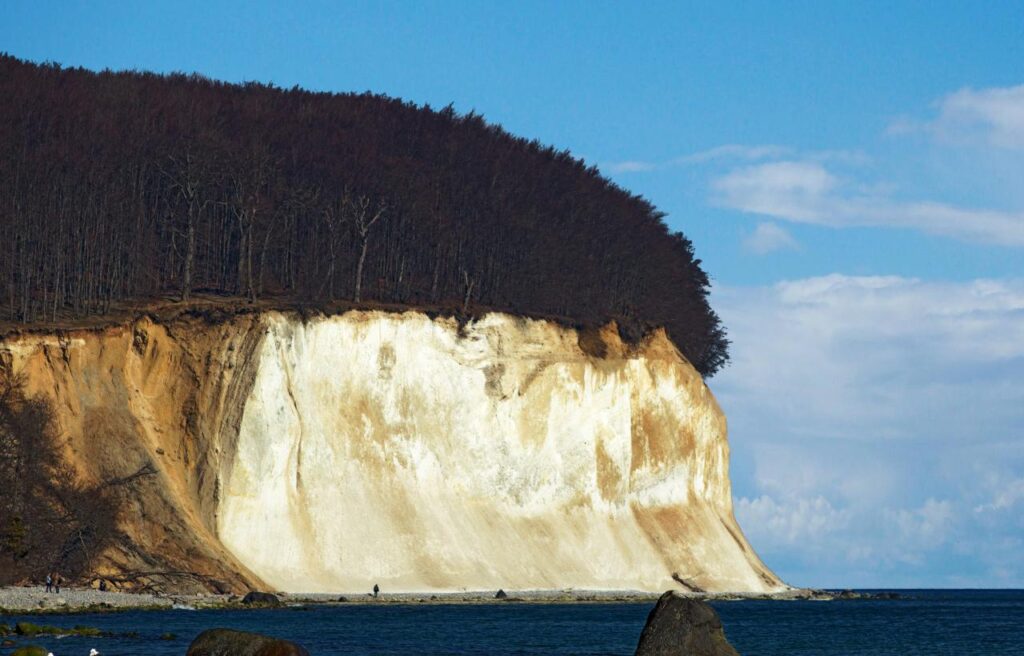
961, 622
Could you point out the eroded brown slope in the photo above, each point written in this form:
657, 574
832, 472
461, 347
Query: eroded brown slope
143, 409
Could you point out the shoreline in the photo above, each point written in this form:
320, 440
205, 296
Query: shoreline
35, 600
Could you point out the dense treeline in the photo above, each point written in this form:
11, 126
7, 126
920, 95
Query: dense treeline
120, 187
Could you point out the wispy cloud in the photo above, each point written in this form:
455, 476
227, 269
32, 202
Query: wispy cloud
630, 166
790, 522
768, 238
989, 117
729, 152
807, 192
923, 528
1005, 497
848, 538
735, 152
739, 153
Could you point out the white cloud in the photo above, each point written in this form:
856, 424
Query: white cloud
630, 166
848, 537
731, 153
877, 426
871, 356
806, 192
793, 191
736, 151
739, 152
991, 117
921, 529
877, 422
768, 238
771, 523
1005, 498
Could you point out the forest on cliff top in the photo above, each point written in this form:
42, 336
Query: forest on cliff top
128, 187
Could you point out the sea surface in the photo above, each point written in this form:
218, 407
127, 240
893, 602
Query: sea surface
961, 622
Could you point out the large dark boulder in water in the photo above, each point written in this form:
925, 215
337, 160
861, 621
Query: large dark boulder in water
227, 642
679, 626
264, 598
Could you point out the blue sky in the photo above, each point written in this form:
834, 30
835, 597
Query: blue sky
849, 172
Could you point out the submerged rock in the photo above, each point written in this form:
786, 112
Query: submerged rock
27, 629
227, 642
679, 626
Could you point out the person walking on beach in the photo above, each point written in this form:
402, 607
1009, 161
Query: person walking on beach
49, 582
376, 590
56, 582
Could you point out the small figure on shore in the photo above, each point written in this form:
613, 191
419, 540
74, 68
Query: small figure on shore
103, 585
376, 590
56, 582
49, 582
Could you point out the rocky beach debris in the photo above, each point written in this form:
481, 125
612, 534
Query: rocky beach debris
227, 642
683, 626
76, 600
36, 599
843, 595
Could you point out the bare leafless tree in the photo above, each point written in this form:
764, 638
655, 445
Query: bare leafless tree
187, 175
363, 212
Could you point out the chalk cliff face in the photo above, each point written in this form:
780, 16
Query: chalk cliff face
333, 453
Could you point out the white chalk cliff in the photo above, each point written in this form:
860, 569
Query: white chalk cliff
332, 453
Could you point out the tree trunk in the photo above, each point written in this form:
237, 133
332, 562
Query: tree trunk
190, 249
263, 261
359, 270
470, 282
